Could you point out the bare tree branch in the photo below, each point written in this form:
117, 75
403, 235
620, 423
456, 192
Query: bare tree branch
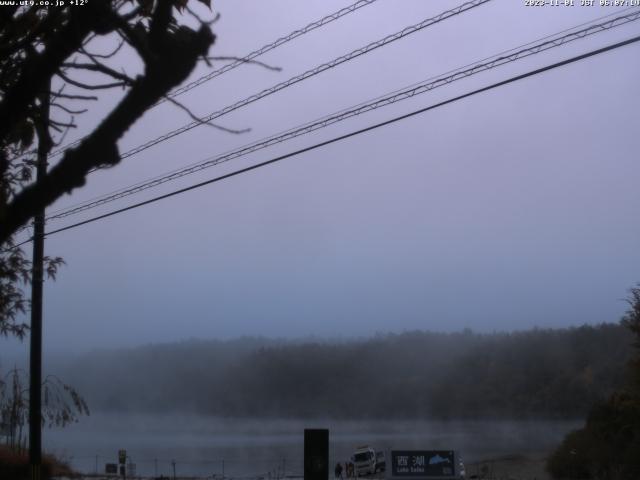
133, 38
170, 56
38, 68
99, 67
104, 55
74, 97
200, 20
240, 59
104, 86
62, 124
68, 110
62, 137
201, 121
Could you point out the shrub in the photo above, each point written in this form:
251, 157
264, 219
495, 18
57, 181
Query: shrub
608, 447
14, 465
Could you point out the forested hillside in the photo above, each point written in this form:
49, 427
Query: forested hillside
537, 373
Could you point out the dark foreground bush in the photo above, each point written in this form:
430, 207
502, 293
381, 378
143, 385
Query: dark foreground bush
607, 448
15, 466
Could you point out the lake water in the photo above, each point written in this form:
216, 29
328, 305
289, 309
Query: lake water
242, 448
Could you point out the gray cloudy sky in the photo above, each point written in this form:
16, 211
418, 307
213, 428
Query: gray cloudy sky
511, 209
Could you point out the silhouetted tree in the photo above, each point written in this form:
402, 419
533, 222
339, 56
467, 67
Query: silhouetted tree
62, 405
608, 446
632, 321
42, 46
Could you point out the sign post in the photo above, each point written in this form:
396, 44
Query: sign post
122, 460
316, 454
423, 465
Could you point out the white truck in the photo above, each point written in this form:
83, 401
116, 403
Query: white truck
367, 461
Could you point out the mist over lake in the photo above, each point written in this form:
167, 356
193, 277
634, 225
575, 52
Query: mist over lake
203, 445
239, 408
407, 224
553, 373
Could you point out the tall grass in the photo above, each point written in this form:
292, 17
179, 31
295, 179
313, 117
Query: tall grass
14, 465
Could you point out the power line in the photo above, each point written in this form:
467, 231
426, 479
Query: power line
399, 95
251, 56
281, 41
308, 74
352, 134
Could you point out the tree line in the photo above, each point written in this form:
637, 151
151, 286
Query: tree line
607, 446
550, 373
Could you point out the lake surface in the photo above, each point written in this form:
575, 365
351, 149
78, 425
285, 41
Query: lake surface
241, 448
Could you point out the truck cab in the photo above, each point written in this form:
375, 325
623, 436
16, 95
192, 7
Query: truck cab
364, 460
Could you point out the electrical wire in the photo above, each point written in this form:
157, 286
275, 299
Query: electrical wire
307, 74
249, 57
246, 59
396, 96
281, 41
351, 134
206, 163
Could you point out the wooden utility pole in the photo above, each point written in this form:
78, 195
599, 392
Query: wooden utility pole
37, 280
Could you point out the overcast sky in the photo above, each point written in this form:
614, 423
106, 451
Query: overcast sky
508, 210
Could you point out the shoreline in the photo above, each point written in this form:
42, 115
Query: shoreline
521, 466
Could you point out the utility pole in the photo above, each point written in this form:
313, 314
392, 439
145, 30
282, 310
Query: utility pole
37, 267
